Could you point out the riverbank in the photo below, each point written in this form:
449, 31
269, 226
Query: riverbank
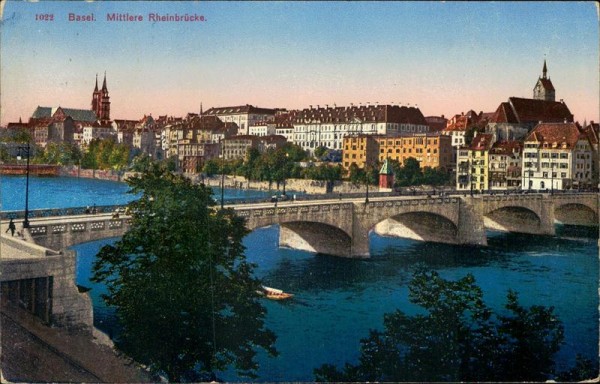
231, 182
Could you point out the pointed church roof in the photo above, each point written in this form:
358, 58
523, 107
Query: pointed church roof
84, 115
96, 88
104, 83
386, 168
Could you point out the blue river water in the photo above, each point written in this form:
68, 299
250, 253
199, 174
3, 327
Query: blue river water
338, 300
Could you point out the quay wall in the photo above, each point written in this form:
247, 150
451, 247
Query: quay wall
232, 182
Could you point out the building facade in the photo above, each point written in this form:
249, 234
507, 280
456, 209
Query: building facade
327, 127
472, 168
430, 150
557, 156
243, 116
505, 166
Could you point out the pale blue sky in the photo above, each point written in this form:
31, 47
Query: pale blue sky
444, 57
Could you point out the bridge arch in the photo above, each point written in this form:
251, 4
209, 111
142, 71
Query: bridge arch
315, 237
575, 214
419, 225
509, 218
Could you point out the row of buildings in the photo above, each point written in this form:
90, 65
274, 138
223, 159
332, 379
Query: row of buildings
364, 134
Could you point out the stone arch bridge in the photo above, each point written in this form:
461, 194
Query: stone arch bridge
341, 227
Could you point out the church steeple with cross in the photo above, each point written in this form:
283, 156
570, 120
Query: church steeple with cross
544, 90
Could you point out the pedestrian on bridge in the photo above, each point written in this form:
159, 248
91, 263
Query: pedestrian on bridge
11, 227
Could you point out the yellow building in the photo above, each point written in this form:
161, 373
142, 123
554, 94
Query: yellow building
430, 150
359, 150
473, 170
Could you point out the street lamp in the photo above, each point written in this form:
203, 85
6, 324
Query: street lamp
367, 182
25, 149
222, 174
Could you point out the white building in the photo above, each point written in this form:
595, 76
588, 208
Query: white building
327, 127
244, 116
92, 132
556, 156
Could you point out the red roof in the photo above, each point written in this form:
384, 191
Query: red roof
559, 133
506, 147
482, 142
523, 111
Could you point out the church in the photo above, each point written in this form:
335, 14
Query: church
515, 118
58, 124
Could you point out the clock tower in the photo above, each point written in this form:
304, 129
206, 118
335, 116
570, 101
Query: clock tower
544, 90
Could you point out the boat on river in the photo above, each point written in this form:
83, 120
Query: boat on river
274, 294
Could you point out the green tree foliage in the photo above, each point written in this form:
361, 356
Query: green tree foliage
211, 167
295, 152
410, 173
22, 135
320, 152
324, 172
58, 153
456, 338
356, 175
183, 291
105, 154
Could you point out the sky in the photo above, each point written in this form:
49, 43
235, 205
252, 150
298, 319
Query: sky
444, 57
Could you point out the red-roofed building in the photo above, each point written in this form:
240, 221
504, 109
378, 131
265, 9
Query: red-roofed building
244, 115
436, 123
557, 156
515, 118
505, 165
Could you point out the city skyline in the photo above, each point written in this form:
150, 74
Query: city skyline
446, 58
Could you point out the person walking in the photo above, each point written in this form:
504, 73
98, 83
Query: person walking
11, 227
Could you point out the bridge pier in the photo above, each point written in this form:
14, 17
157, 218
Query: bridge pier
471, 229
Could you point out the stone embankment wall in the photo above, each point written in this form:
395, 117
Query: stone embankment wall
74, 171
299, 185
70, 308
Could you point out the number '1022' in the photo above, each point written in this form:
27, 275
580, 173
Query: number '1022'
44, 17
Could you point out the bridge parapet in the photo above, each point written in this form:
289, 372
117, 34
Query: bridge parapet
62, 234
53, 212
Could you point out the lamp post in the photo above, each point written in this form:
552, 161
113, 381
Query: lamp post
285, 170
26, 149
367, 182
222, 175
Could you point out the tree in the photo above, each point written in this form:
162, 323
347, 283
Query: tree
458, 338
295, 152
211, 167
320, 151
183, 291
409, 174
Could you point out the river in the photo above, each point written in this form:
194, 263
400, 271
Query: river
338, 300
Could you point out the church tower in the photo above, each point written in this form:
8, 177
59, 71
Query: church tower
101, 102
544, 90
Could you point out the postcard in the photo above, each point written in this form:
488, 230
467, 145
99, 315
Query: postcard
199, 191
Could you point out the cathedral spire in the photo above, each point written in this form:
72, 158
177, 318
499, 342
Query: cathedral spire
200, 109
96, 89
544, 70
104, 83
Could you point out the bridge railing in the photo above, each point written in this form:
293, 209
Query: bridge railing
71, 211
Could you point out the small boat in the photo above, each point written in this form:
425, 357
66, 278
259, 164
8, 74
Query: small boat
275, 294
